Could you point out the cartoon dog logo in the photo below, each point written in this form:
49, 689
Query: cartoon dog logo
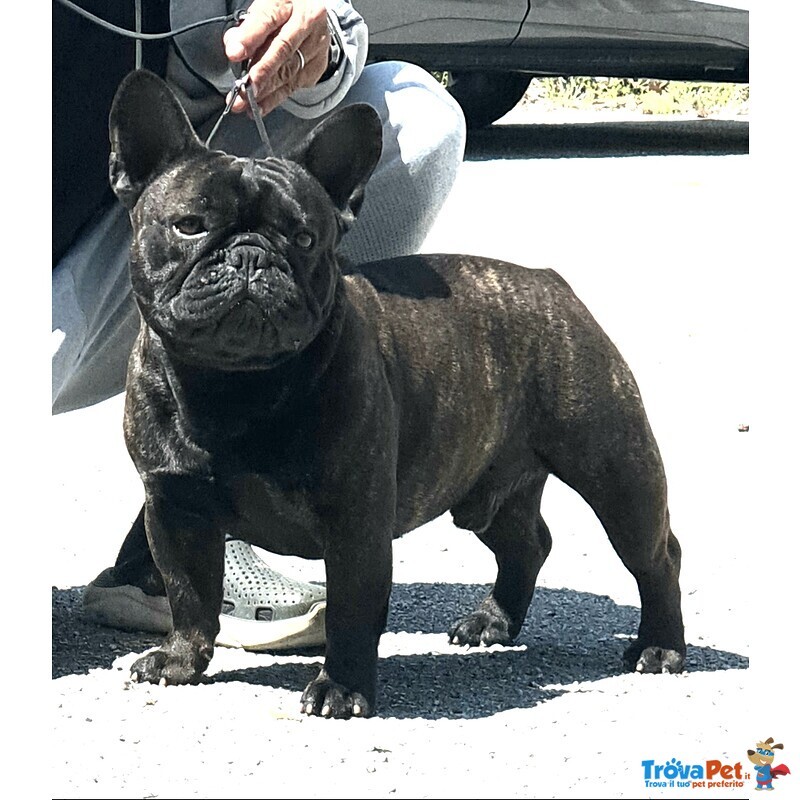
762, 757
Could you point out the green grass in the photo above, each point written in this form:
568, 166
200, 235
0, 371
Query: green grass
639, 95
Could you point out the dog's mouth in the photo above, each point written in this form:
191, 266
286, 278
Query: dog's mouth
242, 305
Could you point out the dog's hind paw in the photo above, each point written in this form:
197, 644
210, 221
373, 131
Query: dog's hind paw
655, 660
481, 627
326, 698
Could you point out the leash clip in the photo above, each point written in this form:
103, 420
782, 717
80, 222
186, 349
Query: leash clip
239, 85
243, 86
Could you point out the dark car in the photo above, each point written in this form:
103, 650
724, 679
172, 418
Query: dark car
492, 48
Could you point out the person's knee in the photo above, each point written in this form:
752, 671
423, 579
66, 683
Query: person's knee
423, 147
423, 116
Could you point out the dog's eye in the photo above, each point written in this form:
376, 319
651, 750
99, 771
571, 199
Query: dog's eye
190, 226
304, 240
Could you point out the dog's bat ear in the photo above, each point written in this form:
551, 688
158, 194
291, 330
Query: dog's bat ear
341, 153
149, 130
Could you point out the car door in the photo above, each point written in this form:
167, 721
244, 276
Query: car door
678, 39
406, 26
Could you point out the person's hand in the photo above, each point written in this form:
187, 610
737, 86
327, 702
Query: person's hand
271, 34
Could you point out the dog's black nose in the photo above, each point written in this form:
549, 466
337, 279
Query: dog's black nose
248, 259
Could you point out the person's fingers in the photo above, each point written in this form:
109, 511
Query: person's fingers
306, 32
272, 43
263, 19
290, 78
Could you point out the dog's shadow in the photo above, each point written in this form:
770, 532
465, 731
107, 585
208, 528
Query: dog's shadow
568, 637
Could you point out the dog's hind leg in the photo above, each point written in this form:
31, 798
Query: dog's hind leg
520, 540
637, 523
621, 477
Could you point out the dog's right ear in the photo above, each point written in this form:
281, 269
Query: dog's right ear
149, 130
341, 153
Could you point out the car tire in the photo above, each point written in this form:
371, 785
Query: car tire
484, 97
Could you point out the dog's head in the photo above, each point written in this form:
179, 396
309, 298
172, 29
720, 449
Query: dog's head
764, 753
232, 260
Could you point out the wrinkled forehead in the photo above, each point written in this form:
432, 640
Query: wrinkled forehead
221, 180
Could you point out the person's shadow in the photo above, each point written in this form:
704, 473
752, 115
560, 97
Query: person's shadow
568, 637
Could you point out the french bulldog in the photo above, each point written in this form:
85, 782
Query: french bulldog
321, 412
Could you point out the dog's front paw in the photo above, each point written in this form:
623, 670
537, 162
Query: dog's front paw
654, 660
169, 666
324, 697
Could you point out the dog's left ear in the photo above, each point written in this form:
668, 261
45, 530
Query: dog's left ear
341, 153
149, 130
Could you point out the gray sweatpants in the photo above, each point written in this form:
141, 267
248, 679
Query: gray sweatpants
95, 319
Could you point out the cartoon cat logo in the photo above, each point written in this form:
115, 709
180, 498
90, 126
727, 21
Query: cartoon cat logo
762, 757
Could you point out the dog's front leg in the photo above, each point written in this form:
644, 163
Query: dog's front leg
358, 566
189, 550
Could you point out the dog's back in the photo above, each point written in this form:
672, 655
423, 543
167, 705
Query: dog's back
535, 367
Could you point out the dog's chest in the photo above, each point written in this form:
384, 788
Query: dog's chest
280, 519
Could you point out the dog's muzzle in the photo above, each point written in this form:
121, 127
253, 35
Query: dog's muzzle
245, 267
249, 260
241, 302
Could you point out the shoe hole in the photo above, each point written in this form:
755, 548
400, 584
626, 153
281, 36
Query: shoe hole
264, 614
